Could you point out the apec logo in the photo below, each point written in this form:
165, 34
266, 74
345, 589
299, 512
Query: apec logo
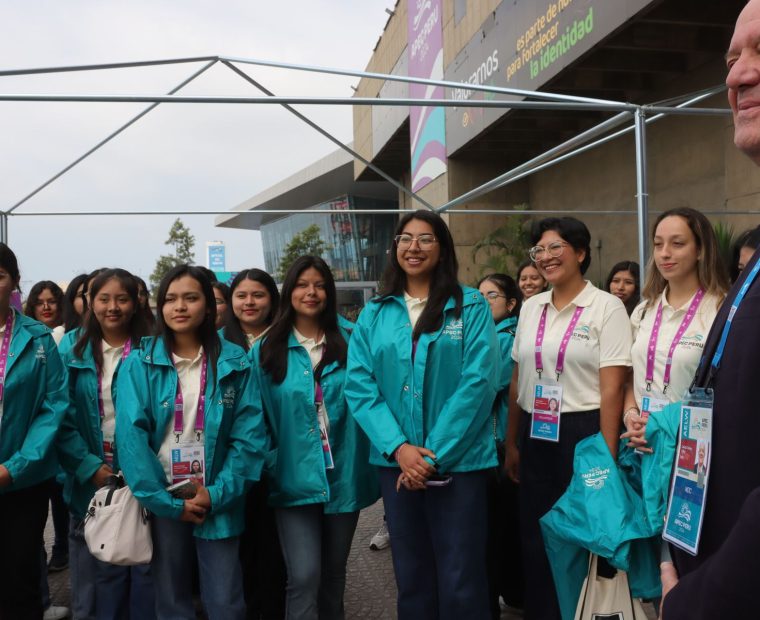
454, 329
594, 478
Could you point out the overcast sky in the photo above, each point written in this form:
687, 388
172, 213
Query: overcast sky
180, 156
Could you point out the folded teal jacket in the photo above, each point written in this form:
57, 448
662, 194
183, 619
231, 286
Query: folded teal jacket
34, 404
440, 399
295, 465
235, 435
601, 512
80, 440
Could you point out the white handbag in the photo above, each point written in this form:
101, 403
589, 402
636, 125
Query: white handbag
116, 527
607, 599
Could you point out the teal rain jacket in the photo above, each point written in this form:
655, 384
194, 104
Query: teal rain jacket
34, 404
505, 331
80, 440
235, 435
442, 399
600, 512
295, 465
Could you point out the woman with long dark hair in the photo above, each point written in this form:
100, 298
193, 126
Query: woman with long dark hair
624, 282
318, 471
504, 556
529, 280
422, 378
73, 303
186, 396
112, 329
34, 402
143, 299
252, 302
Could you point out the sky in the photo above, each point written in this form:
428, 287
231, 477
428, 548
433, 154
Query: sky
184, 157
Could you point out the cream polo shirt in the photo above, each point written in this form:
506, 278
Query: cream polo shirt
189, 376
415, 306
688, 351
252, 340
601, 338
314, 349
111, 357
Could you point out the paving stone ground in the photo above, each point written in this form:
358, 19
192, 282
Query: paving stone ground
370, 586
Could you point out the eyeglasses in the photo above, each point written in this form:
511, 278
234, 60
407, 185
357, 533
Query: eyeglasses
52, 303
493, 295
553, 250
424, 242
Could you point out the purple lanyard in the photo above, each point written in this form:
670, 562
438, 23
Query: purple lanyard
651, 351
563, 345
179, 406
124, 354
4, 348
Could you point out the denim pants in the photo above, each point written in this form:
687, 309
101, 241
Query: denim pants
316, 547
438, 539
101, 591
175, 550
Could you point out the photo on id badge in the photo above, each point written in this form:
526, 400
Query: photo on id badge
686, 507
188, 463
547, 407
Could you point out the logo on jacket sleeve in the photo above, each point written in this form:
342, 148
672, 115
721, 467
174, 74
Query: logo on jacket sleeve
594, 478
453, 329
40, 354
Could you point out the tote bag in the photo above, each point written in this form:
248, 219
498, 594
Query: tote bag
117, 528
607, 599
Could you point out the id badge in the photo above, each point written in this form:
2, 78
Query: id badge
688, 490
188, 462
324, 437
547, 409
108, 445
652, 403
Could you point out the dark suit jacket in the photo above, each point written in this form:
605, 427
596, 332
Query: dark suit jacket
734, 473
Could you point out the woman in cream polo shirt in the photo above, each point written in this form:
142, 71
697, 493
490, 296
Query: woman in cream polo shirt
685, 285
579, 338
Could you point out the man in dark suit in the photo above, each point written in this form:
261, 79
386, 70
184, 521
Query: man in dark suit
721, 581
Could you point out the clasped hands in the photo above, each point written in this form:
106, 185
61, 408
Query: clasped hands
415, 470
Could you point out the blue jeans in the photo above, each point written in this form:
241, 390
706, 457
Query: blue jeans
175, 550
438, 539
316, 547
101, 591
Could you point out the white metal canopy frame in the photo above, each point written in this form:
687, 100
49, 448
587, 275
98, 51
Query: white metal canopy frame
600, 134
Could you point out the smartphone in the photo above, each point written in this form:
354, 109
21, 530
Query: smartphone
438, 481
185, 489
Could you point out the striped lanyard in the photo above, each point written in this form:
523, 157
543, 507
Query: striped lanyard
179, 406
124, 354
4, 348
563, 345
652, 349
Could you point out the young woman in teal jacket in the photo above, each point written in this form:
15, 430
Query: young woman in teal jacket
253, 304
504, 565
186, 396
422, 377
318, 471
111, 330
33, 401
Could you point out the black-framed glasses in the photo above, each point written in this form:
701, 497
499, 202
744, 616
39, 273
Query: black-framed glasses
553, 250
424, 241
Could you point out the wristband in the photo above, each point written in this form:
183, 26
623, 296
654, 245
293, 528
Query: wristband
396, 451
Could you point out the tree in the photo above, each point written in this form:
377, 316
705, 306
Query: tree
184, 244
308, 242
502, 250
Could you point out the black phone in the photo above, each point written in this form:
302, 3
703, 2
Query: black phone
185, 489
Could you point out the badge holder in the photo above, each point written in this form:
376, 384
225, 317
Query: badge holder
323, 435
546, 411
688, 490
652, 403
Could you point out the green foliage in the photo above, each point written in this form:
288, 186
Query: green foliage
726, 240
502, 250
184, 244
308, 242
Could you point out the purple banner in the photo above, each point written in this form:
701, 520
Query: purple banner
427, 126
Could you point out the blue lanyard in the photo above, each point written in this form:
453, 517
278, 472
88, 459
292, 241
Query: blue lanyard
734, 307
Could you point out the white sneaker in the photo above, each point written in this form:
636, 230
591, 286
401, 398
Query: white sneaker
381, 540
55, 613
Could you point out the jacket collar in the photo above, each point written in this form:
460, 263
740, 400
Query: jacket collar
583, 299
231, 357
510, 321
